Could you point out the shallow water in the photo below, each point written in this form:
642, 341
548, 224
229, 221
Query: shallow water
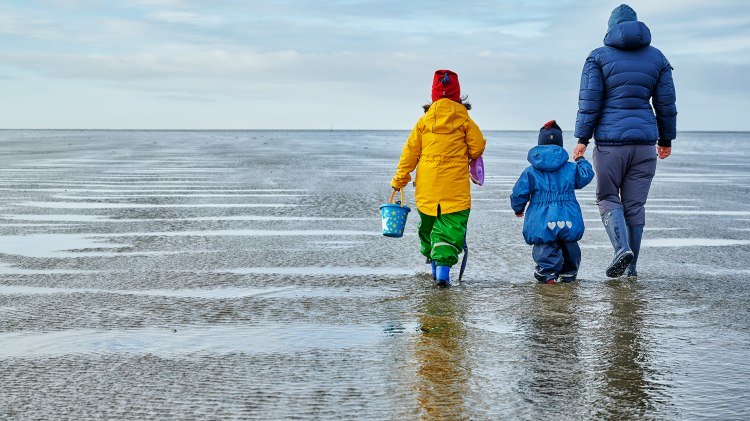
233, 274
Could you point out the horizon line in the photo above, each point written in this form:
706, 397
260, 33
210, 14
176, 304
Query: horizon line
311, 130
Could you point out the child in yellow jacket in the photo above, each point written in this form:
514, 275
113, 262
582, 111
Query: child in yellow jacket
442, 142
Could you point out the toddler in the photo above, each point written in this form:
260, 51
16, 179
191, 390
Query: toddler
553, 223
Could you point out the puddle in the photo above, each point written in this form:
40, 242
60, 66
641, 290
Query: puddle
51, 245
6, 269
190, 340
660, 206
125, 195
98, 218
692, 242
323, 271
209, 293
218, 293
130, 189
699, 212
60, 245
338, 244
499, 327
679, 242
96, 205
137, 253
55, 218
124, 183
246, 233
714, 271
274, 218
671, 200
647, 229
21, 225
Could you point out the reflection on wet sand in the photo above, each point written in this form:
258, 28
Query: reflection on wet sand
556, 371
307, 311
441, 356
627, 388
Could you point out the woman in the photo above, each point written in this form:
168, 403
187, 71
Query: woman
618, 81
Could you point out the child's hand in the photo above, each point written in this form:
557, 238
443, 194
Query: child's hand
519, 214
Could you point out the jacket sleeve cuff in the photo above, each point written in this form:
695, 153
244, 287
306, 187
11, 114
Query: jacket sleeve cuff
666, 143
580, 158
584, 142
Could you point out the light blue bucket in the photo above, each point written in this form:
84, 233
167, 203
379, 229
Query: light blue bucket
394, 216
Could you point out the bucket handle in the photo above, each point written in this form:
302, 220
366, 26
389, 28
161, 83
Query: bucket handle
393, 194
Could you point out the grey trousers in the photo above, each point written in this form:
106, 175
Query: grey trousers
623, 179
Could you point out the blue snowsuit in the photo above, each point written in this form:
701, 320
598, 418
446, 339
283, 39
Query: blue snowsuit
553, 222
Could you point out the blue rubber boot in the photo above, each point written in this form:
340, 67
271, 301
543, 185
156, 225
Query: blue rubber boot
432, 263
443, 276
635, 234
617, 230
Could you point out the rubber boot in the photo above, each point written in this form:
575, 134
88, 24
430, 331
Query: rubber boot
567, 278
635, 234
544, 278
432, 266
617, 230
443, 276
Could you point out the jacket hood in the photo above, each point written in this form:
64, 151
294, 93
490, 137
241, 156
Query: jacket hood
547, 157
445, 115
628, 36
621, 13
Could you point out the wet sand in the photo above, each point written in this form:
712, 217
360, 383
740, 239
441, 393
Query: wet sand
235, 274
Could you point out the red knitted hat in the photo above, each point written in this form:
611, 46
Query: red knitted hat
445, 85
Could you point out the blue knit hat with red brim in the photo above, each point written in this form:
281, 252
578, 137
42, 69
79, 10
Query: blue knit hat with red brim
551, 134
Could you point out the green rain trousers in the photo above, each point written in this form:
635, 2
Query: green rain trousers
442, 237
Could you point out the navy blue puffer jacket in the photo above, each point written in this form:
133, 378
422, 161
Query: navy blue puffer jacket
618, 81
548, 186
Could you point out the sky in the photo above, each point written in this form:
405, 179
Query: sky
346, 64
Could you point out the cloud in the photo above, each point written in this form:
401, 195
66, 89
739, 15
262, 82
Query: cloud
181, 63
347, 60
17, 25
182, 17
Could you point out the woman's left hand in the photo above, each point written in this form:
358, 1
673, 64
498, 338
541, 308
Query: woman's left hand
663, 151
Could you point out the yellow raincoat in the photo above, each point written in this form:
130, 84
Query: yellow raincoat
443, 141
